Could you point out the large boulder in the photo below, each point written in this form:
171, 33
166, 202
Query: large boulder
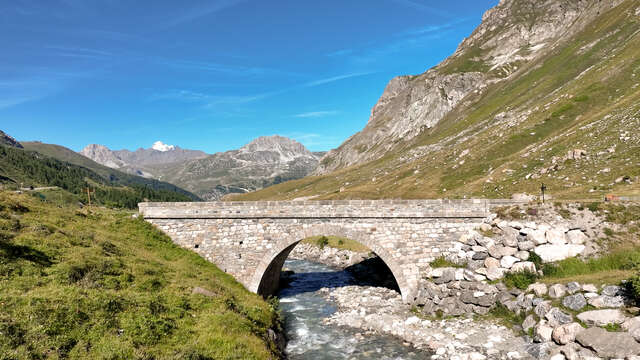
543, 332
557, 291
556, 237
576, 237
539, 289
608, 344
566, 333
551, 253
557, 317
574, 302
602, 317
605, 301
508, 261
537, 237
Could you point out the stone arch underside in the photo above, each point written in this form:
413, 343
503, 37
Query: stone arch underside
265, 279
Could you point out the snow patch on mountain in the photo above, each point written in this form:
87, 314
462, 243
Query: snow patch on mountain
160, 146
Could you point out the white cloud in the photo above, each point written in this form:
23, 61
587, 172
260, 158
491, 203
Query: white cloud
160, 146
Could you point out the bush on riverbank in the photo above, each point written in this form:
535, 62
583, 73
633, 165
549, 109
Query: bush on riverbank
96, 283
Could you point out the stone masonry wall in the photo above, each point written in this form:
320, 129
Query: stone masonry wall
251, 240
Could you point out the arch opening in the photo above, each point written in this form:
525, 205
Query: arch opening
266, 278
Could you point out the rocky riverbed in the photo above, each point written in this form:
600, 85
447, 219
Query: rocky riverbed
330, 256
381, 310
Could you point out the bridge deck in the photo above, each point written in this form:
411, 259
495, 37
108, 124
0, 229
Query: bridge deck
468, 208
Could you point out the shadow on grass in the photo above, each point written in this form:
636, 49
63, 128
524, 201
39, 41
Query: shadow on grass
14, 252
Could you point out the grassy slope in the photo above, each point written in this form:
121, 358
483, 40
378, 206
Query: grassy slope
67, 155
584, 94
96, 283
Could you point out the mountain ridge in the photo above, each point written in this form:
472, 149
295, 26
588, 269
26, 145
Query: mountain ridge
262, 162
536, 83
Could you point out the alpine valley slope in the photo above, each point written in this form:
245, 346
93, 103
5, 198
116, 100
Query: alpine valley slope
542, 91
263, 162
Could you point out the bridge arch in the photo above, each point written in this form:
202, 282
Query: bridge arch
265, 279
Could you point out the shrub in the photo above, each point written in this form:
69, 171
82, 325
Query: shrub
633, 288
322, 242
441, 262
594, 206
520, 280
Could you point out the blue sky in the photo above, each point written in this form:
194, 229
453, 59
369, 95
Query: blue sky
212, 75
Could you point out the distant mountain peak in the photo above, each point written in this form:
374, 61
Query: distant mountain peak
8, 140
160, 146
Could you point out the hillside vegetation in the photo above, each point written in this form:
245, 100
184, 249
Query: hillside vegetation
95, 283
20, 167
564, 112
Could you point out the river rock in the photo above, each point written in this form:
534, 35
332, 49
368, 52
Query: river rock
574, 302
508, 261
566, 333
556, 237
495, 273
605, 301
557, 317
608, 344
631, 324
539, 289
524, 266
557, 291
491, 263
602, 317
573, 287
526, 245
543, 332
576, 237
528, 323
537, 237
612, 290
552, 253
542, 308
479, 255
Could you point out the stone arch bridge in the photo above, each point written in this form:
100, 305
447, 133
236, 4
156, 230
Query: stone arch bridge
251, 240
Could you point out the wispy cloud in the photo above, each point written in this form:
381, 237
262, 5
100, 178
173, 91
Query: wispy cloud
197, 12
223, 68
316, 114
210, 100
406, 39
420, 6
335, 78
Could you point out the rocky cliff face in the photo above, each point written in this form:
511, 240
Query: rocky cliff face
512, 34
8, 140
542, 91
264, 161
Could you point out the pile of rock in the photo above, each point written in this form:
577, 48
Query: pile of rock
557, 331
336, 258
375, 309
510, 250
455, 292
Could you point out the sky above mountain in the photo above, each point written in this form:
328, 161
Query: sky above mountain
212, 75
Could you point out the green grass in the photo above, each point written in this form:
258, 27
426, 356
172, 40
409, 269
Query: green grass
97, 283
336, 242
611, 267
520, 280
441, 262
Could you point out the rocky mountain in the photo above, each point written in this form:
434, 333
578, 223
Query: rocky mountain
8, 140
263, 162
542, 91
138, 162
